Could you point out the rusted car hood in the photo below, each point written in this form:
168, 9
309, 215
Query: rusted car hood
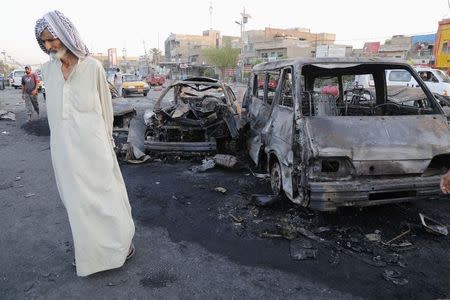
379, 138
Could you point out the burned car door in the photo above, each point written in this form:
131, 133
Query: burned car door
279, 142
260, 109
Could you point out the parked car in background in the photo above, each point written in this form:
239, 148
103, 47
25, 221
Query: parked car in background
41, 87
356, 148
131, 84
2, 81
400, 78
16, 78
436, 80
155, 80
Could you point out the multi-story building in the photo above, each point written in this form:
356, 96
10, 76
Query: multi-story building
187, 48
274, 43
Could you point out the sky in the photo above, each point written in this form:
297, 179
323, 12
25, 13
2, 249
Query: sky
129, 24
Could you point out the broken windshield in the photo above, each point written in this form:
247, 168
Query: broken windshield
338, 92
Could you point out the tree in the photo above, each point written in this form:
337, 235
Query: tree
5, 69
225, 57
156, 55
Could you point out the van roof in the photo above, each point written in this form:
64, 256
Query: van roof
277, 64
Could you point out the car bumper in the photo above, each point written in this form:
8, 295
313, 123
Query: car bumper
152, 146
137, 90
328, 196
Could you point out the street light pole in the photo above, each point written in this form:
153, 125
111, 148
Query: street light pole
243, 21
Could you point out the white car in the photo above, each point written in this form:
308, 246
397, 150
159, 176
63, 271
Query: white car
16, 78
399, 77
437, 81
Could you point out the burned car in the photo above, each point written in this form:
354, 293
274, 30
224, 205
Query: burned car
193, 115
123, 110
348, 147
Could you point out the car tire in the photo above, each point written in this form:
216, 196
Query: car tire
276, 181
145, 94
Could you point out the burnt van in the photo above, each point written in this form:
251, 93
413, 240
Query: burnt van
328, 143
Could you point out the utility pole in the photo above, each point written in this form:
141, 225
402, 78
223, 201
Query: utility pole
146, 59
124, 56
210, 15
242, 22
4, 57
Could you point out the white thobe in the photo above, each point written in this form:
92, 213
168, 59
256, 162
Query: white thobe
88, 177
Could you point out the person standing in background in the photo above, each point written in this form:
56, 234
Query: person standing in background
118, 82
30, 84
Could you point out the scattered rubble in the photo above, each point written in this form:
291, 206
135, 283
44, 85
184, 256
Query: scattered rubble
310, 235
7, 115
220, 190
302, 249
373, 237
264, 200
394, 277
399, 236
236, 219
433, 226
225, 160
206, 165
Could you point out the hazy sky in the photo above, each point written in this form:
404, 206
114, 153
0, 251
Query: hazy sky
126, 24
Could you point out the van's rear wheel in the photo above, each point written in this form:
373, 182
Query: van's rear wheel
276, 178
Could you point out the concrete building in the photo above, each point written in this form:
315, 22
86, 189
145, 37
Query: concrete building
396, 47
274, 43
187, 48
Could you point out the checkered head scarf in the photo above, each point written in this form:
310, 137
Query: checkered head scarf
62, 28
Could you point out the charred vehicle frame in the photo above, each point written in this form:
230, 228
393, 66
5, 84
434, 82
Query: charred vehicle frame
360, 148
200, 116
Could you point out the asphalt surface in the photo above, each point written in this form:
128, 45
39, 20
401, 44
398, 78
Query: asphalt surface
194, 242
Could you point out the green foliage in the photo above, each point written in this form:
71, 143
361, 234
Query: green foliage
209, 72
256, 61
5, 69
156, 55
225, 57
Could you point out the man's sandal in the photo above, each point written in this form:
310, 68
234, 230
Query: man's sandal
130, 255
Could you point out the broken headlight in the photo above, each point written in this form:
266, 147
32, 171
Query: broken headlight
332, 167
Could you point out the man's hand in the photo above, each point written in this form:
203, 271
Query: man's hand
34, 92
445, 183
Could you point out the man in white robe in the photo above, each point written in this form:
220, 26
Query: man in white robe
88, 177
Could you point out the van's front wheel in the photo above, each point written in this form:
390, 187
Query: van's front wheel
276, 178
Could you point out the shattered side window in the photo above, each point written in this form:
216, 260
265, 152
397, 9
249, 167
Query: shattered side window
286, 97
258, 86
272, 86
